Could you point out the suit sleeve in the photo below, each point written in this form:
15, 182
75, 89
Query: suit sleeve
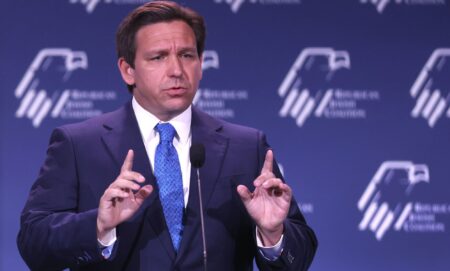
300, 241
53, 234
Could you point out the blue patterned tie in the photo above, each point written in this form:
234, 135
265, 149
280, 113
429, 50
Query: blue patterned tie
168, 176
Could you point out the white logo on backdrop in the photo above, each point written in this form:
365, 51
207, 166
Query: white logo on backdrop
308, 88
216, 101
433, 95
36, 102
210, 60
235, 5
92, 4
391, 201
380, 209
299, 102
43, 88
381, 5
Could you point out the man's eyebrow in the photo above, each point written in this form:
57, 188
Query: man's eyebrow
166, 50
187, 49
156, 51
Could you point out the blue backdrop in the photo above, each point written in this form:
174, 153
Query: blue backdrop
353, 95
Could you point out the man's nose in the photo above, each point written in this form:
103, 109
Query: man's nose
175, 68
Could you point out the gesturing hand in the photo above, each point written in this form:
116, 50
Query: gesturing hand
119, 202
269, 203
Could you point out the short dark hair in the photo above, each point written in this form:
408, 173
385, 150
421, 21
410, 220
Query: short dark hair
155, 12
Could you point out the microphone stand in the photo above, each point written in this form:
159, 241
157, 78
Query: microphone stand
202, 222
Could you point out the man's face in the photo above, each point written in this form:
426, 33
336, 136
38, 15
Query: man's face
167, 68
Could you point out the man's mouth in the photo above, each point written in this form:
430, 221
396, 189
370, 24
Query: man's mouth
175, 91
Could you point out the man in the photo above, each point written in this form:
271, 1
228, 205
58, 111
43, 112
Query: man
91, 210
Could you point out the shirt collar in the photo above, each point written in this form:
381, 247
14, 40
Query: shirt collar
147, 122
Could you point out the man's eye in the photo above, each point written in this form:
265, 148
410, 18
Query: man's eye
156, 58
187, 55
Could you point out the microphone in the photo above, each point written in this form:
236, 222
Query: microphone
197, 157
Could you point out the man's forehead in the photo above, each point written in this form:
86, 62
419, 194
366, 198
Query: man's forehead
166, 31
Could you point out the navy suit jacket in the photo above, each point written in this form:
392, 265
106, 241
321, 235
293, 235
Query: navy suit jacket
58, 223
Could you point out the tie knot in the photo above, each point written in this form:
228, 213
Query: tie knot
166, 131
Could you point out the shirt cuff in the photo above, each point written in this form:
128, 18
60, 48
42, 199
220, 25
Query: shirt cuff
271, 253
106, 244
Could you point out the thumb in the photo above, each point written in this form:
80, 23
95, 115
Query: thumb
244, 193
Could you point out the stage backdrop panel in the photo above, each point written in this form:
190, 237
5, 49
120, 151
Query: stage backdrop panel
353, 96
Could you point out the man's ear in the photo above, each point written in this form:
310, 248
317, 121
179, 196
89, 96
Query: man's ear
126, 71
201, 66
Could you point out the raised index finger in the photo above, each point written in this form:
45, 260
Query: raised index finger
128, 162
268, 163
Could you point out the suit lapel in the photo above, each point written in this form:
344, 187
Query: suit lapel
122, 134
205, 130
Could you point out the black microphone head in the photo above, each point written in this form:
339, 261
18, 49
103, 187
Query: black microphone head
197, 155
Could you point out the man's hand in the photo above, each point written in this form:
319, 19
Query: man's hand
119, 202
269, 203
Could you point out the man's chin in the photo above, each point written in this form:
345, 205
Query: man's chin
176, 108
